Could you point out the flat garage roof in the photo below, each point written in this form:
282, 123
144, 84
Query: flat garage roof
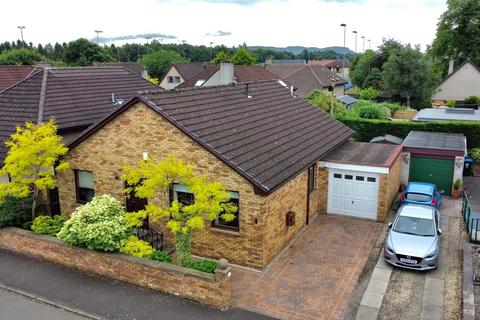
364, 153
436, 140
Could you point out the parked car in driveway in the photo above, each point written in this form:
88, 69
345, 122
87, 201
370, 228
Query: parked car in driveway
422, 193
413, 240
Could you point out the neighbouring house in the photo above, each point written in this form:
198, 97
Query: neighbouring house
387, 138
335, 65
134, 67
306, 78
10, 75
178, 73
348, 101
434, 157
228, 73
447, 114
269, 148
459, 84
75, 97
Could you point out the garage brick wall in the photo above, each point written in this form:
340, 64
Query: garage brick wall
389, 185
322, 190
263, 232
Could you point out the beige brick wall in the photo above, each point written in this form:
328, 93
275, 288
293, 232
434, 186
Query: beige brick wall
389, 185
322, 190
105, 153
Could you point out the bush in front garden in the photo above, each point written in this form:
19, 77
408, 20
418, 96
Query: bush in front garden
15, 211
98, 225
162, 256
48, 225
137, 248
205, 265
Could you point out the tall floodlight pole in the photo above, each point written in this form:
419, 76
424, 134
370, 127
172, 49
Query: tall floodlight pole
363, 38
369, 44
211, 50
98, 38
21, 33
356, 34
344, 47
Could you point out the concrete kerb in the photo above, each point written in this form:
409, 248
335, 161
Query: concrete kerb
51, 303
468, 290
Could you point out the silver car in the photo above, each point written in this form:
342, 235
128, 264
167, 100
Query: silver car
413, 241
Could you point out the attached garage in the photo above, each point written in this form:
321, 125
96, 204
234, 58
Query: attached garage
363, 179
434, 157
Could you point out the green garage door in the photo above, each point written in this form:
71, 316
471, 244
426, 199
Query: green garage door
437, 171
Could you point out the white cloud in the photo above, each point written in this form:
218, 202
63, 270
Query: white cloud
255, 22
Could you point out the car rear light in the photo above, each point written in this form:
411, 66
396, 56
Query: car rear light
434, 202
402, 197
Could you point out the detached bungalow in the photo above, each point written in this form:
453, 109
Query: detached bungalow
268, 147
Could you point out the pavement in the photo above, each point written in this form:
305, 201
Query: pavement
315, 276
395, 293
14, 306
92, 297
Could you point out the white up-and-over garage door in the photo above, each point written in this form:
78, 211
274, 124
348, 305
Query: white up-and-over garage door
353, 193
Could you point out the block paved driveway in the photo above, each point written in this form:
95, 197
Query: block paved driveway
315, 276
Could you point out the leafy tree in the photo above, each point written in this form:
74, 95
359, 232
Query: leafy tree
458, 34
154, 179
362, 68
326, 102
408, 74
158, 62
82, 52
32, 161
369, 93
243, 57
22, 56
222, 56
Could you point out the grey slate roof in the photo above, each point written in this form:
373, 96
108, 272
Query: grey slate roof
267, 136
436, 140
387, 138
347, 100
447, 114
75, 97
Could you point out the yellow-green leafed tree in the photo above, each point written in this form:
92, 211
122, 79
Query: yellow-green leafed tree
32, 161
151, 180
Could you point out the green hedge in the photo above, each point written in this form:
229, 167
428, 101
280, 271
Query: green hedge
366, 129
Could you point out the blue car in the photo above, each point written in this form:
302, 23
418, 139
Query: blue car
421, 193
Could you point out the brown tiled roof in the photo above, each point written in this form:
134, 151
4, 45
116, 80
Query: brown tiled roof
135, 67
305, 78
241, 74
9, 75
266, 135
75, 97
188, 70
366, 154
330, 63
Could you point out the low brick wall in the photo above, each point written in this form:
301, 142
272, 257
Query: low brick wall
212, 289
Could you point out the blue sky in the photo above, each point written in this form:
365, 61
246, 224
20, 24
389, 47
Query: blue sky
230, 22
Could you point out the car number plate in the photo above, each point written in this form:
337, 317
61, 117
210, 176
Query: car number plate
408, 261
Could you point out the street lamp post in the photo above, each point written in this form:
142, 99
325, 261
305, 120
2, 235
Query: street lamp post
363, 38
344, 47
211, 50
98, 32
356, 34
21, 32
369, 44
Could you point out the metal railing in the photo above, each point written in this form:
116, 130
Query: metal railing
472, 221
154, 238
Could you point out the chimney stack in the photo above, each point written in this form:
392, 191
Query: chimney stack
450, 66
226, 72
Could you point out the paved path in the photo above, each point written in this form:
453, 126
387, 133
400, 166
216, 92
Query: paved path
315, 276
17, 307
395, 293
102, 298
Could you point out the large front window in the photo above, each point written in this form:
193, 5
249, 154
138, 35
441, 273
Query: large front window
84, 186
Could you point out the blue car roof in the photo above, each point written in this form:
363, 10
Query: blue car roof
420, 187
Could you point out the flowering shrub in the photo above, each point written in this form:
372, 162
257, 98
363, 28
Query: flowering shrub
98, 225
136, 247
48, 225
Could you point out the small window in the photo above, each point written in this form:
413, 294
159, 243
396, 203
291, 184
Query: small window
234, 224
371, 179
337, 176
312, 177
176, 79
170, 79
182, 194
348, 177
360, 178
84, 186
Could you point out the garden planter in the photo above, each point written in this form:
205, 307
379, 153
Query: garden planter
456, 193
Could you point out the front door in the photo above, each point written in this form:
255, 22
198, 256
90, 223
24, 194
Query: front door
133, 203
54, 201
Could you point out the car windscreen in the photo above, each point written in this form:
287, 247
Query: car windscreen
415, 226
420, 197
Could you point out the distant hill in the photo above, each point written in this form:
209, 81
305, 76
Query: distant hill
299, 49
